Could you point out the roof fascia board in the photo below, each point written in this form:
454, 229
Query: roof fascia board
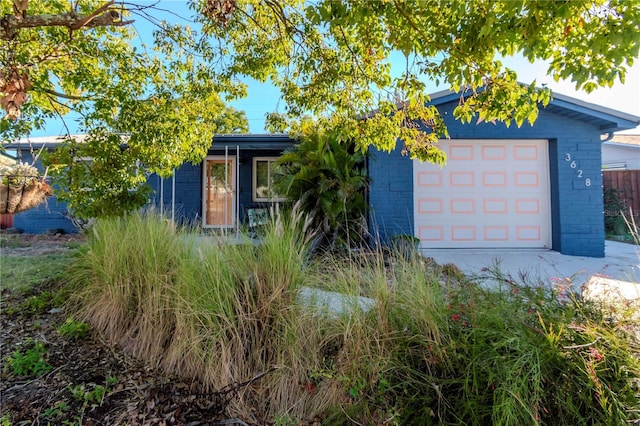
621, 145
619, 120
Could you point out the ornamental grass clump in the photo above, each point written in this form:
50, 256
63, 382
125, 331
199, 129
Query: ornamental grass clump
230, 316
223, 314
126, 279
379, 338
239, 302
381, 355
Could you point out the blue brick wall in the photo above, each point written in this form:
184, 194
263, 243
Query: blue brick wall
189, 188
580, 209
576, 204
48, 215
390, 194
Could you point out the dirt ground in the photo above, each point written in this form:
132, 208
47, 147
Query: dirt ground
88, 381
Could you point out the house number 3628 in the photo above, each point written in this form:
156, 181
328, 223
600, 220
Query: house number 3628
572, 163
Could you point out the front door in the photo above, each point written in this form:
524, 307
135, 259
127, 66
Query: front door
219, 192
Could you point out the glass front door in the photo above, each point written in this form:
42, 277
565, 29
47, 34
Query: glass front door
219, 197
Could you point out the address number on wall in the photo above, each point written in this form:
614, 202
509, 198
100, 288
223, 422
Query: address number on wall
572, 163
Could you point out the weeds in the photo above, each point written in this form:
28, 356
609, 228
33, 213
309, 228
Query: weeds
90, 395
73, 329
94, 395
43, 302
57, 413
30, 361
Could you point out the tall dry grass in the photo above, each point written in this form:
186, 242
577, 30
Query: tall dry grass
124, 280
424, 349
228, 314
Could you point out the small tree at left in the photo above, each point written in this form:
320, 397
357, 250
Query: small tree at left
142, 109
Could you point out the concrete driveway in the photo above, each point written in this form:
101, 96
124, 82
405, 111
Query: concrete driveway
621, 262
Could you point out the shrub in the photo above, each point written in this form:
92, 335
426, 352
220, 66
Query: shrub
425, 348
327, 175
527, 353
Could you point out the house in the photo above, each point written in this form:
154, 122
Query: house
621, 174
535, 186
231, 184
622, 152
502, 187
52, 215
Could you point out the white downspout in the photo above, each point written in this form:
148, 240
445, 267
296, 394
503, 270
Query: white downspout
161, 196
237, 198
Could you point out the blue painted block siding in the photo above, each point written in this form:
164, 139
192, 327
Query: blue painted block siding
390, 194
188, 188
49, 215
576, 208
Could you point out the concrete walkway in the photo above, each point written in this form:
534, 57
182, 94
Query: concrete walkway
621, 262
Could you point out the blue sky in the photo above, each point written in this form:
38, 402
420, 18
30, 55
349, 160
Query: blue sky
264, 98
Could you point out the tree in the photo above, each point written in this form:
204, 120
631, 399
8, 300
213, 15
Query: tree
331, 57
144, 110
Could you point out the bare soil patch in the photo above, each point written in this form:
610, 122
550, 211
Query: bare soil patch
33, 245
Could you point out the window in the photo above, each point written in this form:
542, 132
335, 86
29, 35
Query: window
264, 169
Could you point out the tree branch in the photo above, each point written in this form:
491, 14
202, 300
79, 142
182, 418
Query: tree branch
64, 95
10, 24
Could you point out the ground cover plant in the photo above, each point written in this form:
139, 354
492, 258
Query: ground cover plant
396, 342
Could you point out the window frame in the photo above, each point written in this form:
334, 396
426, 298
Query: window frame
254, 180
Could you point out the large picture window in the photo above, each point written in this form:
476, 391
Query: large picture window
264, 169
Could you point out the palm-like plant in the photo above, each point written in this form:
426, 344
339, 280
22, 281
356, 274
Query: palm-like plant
328, 176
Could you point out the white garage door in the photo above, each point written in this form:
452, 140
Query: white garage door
491, 193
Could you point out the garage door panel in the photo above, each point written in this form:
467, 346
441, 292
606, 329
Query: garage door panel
490, 194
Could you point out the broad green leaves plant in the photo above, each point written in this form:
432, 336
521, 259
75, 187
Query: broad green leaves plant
327, 176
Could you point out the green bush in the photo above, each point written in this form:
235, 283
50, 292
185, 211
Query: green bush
326, 175
525, 353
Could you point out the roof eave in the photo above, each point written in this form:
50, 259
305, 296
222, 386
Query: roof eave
611, 120
248, 141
